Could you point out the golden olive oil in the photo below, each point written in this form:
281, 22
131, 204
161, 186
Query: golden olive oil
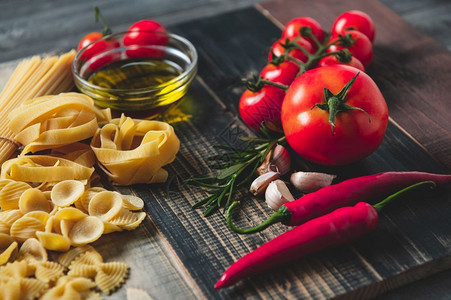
150, 76
135, 74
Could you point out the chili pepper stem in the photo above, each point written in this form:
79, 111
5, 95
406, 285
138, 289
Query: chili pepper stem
379, 206
277, 217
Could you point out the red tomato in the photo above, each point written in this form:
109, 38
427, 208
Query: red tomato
357, 20
146, 33
333, 60
261, 106
93, 48
308, 128
277, 49
292, 29
283, 73
361, 48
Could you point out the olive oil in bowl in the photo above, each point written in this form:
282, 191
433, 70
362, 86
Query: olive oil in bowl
141, 87
135, 74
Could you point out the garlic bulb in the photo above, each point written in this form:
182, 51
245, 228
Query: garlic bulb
277, 194
259, 185
307, 182
278, 159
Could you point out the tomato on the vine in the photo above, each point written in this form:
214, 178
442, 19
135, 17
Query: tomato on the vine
143, 34
94, 46
334, 60
334, 115
361, 46
356, 20
283, 73
277, 49
262, 106
293, 29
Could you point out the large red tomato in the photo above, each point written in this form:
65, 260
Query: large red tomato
358, 127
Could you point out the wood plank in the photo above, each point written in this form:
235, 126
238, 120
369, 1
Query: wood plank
412, 70
206, 247
195, 251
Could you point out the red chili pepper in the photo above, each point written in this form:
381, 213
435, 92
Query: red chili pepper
346, 193
338, 227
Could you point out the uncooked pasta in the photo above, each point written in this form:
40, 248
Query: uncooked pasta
32, 78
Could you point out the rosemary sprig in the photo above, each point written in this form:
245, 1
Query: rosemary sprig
238, 168
238, 165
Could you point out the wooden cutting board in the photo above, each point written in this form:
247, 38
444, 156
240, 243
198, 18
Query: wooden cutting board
178, 254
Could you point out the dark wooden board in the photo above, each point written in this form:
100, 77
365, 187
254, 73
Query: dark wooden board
411, 69
178, 254
402, 249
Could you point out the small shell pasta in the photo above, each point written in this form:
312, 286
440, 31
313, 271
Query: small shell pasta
140, 216
25, 228
8, 248
8, 217
105, 205
53, 241
10, 194
32, 251
132, 202
66, 192
85, 231
34, 199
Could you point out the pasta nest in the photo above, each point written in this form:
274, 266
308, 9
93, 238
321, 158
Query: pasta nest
133, 151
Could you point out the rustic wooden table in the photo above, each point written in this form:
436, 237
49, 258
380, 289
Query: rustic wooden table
178, 254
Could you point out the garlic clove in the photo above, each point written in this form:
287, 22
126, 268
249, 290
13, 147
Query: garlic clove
308, 182
277, 160
259, 185
277, 194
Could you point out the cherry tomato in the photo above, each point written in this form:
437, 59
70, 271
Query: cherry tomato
356, 20
277, 49
146, 33
361, 48
333, 60
356, 133
283, 73
292, 29
261, 106
94, 47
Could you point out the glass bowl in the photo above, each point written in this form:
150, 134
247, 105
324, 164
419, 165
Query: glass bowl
138, 80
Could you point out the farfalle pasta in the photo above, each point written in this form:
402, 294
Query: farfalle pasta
133, 151
52, 121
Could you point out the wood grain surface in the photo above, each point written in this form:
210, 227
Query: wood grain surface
178, 254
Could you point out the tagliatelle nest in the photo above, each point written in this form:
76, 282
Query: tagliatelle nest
133, 151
